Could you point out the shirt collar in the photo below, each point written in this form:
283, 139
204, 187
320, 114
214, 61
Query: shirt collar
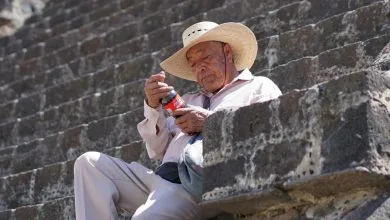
245, 75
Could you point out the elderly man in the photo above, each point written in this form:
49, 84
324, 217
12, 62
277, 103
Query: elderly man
218, 58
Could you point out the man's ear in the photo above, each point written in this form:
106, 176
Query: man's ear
228, 53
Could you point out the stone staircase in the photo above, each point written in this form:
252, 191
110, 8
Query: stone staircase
72, 78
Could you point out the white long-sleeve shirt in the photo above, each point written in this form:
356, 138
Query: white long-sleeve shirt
168, 141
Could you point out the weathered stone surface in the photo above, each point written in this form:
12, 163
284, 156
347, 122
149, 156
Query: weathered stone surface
74, 77
328, 128
56, 181
308, 71
336, 31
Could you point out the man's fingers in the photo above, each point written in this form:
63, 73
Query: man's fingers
181, 111
156, 91
157, 77
156, 84
159, 96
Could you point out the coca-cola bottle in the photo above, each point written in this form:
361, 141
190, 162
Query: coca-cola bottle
172, 102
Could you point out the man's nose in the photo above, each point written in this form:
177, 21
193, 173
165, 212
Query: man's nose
200, 68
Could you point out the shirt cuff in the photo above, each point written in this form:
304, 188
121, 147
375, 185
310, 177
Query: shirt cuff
151, 113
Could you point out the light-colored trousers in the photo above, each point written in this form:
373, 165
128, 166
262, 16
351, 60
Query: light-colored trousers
104, 184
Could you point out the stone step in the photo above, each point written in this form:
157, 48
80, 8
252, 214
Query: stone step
42, 125
89, 46
107, 16
79, 66
71, 47
74, 115
61, 209
54, 123
332, 133
87, 108
309, 71
58, 209
305, 65
69, 14
41, 98
360, 24
56, 180
299, 14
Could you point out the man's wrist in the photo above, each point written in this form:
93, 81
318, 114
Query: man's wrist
147, 102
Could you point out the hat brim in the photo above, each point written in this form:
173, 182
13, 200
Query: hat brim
240, 38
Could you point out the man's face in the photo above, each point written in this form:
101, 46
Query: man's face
207, 61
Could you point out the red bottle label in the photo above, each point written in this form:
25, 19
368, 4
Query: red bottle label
174, 104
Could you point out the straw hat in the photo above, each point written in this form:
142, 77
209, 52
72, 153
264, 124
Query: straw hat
240, 38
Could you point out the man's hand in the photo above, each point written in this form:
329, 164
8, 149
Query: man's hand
155, 89
191, 119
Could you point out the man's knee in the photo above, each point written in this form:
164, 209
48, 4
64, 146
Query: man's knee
87, 159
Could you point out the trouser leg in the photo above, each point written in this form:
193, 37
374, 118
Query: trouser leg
103, 183
169, 201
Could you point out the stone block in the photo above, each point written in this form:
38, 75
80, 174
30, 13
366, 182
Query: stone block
151, 23
127, 3
329, 132
72, 38
60, 29
28, 106
96, 61
48, 122
71, 142
67, 54
7, 76
135, 69
90, 46
49, 182
78, 21
92, 29
6, 112
58, 209
25, 130
58, 75
159, 39
69, 115
39, 35
30, 67
50, 11
54, 44
130, 49
100, 132
104, 11
56, 180
311, 40
7, 134
121, 34
6, 160
57, 19
18, 191
35, 154
72, 4
67, 92
118, 19
12, 48
308, 71
86, 7
6, 214
231, 13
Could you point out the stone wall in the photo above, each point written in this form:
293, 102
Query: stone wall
72, 78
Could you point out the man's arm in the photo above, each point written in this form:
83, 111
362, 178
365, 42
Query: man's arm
154, 131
